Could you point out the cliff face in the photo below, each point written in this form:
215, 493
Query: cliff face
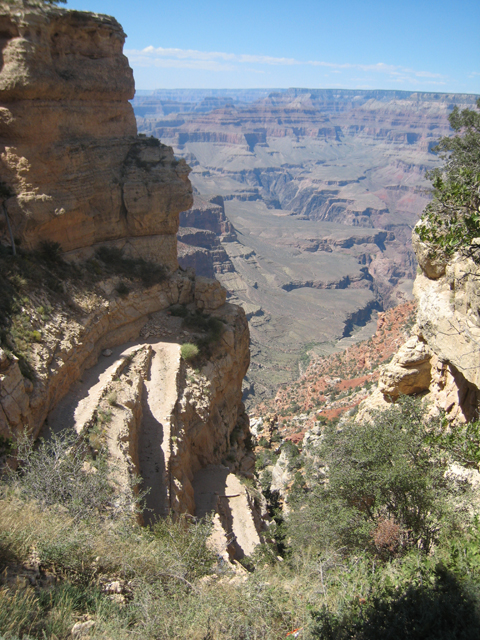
442, 356
69, 151
105, 357
203, 229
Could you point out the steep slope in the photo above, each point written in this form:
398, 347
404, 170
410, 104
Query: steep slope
91, 331
335, 384
203, 230
441, 357
73, 169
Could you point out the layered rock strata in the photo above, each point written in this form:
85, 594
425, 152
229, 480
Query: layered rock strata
166, 419
106, 362
203, 229
72, 167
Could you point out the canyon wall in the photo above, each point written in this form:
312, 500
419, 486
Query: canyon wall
441, 358
203, 230
323, 187
104, 359
72, 167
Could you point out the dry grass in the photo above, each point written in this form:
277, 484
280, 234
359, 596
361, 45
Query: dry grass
161, 569
172, 587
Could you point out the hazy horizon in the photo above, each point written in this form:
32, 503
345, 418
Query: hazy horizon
220, 90
428, 46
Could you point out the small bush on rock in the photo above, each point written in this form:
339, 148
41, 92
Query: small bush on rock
451, 221
189, 351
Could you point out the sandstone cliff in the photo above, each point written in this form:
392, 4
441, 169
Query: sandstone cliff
442, 356
203, 230
101, 348
70, 159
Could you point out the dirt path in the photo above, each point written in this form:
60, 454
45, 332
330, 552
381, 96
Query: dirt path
158, 404
158, 401
75, 409
216, 489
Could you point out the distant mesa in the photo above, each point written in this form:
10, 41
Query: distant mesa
203, 229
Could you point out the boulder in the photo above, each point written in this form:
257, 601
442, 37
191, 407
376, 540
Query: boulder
431, 262
409, 371
209, 294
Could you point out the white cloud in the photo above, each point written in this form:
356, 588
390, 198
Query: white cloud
221, 61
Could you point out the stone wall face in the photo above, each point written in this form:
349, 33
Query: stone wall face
69, 152
442, 358
210, 423
72, 342
74, 171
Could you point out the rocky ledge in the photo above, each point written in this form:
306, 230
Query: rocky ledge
73, 169
100, 356
441, 358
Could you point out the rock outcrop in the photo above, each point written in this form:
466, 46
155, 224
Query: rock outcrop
107, 361
166, 419
442, 357
209, 214
72, 166
203, 229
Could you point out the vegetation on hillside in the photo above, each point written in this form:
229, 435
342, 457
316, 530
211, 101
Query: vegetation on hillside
35, 285
387, 548
207, 328
385, 489
452, 220
335, 384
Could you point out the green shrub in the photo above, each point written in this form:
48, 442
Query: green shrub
265, 479
386, 486
462, 443
294, 458
186, 544
122, 288
179, 310
189, 351
263, 442
442, 609
51, 252
452, 220
201, 322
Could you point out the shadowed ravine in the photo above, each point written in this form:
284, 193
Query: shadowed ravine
158, 404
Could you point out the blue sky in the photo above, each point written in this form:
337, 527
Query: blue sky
412, 45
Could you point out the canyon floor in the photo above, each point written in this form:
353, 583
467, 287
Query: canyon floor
322, 188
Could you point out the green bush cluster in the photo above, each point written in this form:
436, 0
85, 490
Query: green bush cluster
386, 490
381, 550
452, 220
189, 351
198, 322
209, 325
